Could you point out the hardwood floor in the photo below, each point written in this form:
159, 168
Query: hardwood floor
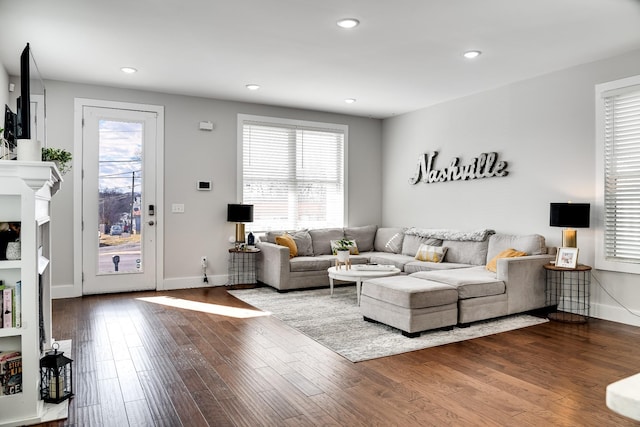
142, 363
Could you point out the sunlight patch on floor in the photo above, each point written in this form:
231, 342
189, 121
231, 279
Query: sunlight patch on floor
222, 310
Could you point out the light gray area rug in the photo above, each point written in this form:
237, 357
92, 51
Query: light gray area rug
336, 322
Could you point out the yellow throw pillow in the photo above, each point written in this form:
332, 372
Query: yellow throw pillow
287, 240
431, 253
507, 253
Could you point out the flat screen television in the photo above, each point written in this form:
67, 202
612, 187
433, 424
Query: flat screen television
23, 125
32, 93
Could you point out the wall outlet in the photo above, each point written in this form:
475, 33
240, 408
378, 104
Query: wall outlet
203, 261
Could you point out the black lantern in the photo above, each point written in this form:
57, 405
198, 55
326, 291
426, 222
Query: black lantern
56, 376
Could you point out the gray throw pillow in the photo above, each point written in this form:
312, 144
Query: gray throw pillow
303, 242
364, 236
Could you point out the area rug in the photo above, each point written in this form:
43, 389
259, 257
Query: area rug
336, 322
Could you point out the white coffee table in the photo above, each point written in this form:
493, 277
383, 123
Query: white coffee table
358, 276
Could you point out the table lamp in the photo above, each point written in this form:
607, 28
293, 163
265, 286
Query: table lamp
569, 215
239, 214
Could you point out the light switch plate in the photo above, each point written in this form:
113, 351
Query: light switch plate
177, 208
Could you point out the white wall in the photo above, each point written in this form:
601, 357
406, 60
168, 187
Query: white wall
4, 93
544, 128
191, 155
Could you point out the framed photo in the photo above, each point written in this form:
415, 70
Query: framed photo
567, 257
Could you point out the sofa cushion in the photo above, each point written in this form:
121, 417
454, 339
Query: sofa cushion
406, 291
352, 244
311, 263
411, 243
532, 244
431, 253
414, 266
287, 240
470, 282
321, 239
389, 239
466, 252
365, 236
507, 253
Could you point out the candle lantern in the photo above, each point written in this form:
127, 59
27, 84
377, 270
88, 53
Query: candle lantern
56, 376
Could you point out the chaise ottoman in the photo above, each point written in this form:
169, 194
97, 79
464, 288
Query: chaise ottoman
409, 304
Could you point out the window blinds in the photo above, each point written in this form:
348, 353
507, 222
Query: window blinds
622, 175
293, 175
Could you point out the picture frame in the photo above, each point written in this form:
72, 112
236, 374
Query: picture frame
567, 257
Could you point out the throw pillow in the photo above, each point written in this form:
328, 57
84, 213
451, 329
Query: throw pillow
353, 247
287, 240
507, 253
431, 253
303, 242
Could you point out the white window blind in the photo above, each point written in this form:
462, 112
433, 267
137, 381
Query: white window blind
293, 174
622, 175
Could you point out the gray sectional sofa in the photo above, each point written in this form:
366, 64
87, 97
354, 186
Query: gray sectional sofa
427, 295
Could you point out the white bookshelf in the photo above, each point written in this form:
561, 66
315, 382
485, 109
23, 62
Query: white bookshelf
26, 189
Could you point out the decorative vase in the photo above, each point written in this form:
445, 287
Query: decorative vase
29, 150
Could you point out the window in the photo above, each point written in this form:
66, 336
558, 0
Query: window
618, 163
293, 172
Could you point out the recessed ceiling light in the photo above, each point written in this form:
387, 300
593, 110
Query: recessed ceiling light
128, 70
350, 100
348, 23
470, 54
253, 86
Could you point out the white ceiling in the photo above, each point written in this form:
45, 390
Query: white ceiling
405, 55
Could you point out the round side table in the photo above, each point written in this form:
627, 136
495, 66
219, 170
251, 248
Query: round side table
569, 290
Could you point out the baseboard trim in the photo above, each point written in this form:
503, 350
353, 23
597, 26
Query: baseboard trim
615, 314
192, 282
65, 291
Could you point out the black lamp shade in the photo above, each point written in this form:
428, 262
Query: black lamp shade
239, 213
575, 215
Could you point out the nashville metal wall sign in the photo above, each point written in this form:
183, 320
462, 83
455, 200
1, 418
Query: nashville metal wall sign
486, 165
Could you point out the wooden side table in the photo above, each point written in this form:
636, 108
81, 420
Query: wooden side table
569, 290
242, 266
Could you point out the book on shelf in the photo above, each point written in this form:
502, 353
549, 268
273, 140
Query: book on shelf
7, 307
11, 305
10, 372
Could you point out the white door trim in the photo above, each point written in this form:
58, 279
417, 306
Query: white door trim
79, 104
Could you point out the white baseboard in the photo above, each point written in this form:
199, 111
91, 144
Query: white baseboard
615, 314
70, 291
193, 282
65, 291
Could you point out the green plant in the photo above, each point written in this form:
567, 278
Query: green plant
343, 245
60, 156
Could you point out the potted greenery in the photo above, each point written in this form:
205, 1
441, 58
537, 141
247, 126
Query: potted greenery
343, 247
61, 157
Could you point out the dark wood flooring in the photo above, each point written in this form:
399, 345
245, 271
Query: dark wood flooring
142, 363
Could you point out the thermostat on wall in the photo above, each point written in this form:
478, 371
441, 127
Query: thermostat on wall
204, 185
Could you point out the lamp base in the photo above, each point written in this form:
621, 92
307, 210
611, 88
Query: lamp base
239, 233
569, 238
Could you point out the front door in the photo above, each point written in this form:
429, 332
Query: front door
119, 207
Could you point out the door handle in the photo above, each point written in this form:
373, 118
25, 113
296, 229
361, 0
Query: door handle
151, 223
